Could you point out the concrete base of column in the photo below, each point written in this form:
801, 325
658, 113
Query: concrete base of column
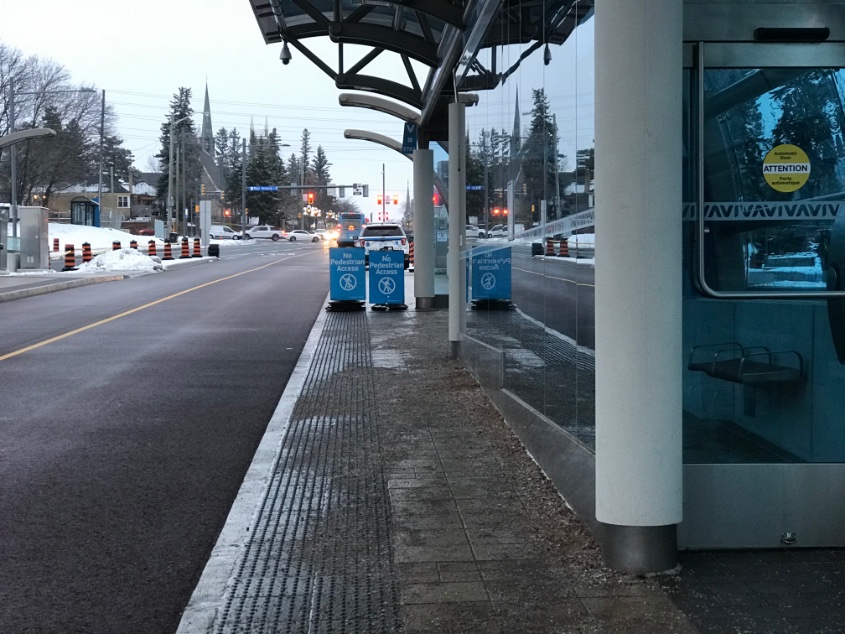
456, 349
639, 549
424, 303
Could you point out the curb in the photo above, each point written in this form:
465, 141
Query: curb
60, 286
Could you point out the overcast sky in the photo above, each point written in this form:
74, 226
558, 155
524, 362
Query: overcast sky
141, 53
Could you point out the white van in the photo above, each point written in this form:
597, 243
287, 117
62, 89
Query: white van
222, 232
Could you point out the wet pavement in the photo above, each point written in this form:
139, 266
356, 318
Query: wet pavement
389, 495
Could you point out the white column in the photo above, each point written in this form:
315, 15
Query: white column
424, 229
455, 266
638, 61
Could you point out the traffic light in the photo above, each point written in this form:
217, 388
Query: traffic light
378, 199
202, 189
310, 198
505, 211
495, 211
395, 199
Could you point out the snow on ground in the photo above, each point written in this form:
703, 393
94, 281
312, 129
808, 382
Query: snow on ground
101, 240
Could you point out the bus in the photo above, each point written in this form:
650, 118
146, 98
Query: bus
349, 226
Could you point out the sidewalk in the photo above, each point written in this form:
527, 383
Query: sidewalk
388, 495
399, 501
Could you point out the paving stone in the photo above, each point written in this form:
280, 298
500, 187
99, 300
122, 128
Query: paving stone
458, 592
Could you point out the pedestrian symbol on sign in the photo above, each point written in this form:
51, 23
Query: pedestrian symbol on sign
386, 286
348, 282
488, 281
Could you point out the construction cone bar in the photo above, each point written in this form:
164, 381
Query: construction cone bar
133, 244
151, 248
115, 245
564, 248
197, 250
550, 246
168, 252
70, 258
56, 245
186, 250
411, 255
86, 252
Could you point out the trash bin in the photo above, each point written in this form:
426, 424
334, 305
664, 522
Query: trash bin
214, 250
173, 237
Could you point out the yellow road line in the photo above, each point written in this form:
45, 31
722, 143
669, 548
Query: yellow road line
40, 344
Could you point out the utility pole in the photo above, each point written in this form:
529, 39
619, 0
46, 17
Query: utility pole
243, 187
100, 178
184, 182
383, 197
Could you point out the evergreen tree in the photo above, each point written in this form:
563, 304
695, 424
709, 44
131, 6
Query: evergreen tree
539, 158
320, 168
232, 160
184, 135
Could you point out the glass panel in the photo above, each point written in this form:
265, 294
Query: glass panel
762, 375
529, 186
774, 173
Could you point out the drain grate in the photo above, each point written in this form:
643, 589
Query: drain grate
319, 558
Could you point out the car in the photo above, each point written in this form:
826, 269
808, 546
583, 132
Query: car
222, 232
474, 231
326, 234
265, 231
302, 234
498, 231
384, 236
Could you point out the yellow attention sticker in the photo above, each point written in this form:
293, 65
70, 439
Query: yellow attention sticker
786, 168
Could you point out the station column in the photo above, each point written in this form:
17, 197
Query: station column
424, 229
638, 63
455, 268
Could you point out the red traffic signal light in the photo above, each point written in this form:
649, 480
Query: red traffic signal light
505, 211
310, 198
495, 211
395, 199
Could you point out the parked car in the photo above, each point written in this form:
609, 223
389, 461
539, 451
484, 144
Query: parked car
474, 231
302, 234
384, 236
265, 231
498, 231
222, 232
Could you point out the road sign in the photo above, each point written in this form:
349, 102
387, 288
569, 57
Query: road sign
409, 138
387, 277
347, 277
491, 273
263, 188
475, 188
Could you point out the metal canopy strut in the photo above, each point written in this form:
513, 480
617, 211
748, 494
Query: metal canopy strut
444, 36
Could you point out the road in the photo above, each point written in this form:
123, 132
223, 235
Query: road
130, 413
557, 292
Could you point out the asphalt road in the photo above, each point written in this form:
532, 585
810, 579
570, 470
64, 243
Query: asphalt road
557, 292
129, 413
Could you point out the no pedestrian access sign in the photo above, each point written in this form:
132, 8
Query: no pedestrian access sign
347, 277
786, 168
387, 278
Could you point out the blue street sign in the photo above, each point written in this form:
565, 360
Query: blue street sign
263, 188
475, 188
347, 276
409, 138
387, 277
491, 273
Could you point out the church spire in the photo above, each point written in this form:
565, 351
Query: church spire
207, 133
516, 136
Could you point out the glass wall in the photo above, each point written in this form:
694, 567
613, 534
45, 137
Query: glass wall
530, 244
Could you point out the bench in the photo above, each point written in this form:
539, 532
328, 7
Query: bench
755, 366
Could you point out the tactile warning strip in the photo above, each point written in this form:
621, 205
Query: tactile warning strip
319, 557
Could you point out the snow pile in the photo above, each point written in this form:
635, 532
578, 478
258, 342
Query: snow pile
121, 260
97, 237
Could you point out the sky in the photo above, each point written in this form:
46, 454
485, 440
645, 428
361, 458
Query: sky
141, 54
